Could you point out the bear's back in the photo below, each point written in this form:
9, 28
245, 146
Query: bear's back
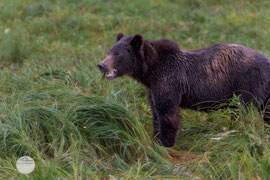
221, 70
165, 47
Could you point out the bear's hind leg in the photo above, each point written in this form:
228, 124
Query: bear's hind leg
266, 116
265, 109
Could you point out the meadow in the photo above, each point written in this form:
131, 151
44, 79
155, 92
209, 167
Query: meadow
57, 108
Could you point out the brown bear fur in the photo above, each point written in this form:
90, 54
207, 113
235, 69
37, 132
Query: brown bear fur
194, 79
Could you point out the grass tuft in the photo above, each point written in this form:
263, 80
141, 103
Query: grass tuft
14, 49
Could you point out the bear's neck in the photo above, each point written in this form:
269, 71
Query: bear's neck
142, 78
144, 66
155, 55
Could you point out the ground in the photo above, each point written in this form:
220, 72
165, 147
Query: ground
57, 108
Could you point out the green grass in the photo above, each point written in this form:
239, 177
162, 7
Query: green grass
56, 107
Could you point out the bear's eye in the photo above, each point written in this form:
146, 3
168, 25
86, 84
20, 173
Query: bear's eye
116, 53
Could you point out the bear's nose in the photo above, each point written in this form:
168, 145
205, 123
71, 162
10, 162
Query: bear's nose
102, 67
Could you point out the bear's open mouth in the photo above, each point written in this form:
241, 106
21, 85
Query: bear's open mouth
111, 75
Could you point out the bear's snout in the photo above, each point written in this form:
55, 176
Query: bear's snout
102, 67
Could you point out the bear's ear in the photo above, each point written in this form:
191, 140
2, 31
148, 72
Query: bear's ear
119, 36
137, 41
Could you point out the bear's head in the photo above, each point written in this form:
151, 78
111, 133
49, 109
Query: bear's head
123, 57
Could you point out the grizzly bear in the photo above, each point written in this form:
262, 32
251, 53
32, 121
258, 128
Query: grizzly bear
194, 79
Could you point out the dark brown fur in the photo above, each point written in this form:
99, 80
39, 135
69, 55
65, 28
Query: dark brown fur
194, 79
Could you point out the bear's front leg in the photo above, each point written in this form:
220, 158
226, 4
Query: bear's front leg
166, 107
154, 114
